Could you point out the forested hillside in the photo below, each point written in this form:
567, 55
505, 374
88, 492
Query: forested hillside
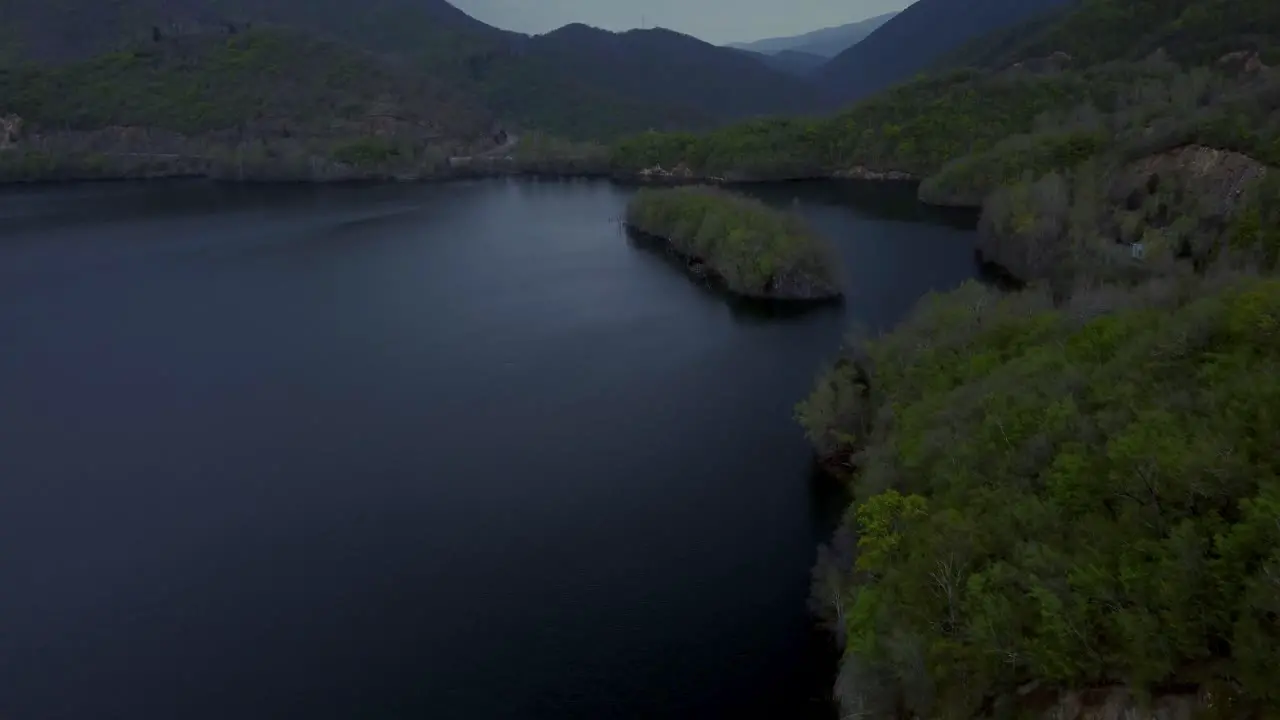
194, 84
578, 82
669, 69
271, 103
1193, 32
957, 117
1065, 498
914, 128
1061, 507
910, 42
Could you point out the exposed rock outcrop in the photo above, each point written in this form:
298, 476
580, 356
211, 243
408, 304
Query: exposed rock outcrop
1119, 703
681, 173
10, 130
1056, 62
1216, 178
860, 172
1150, 216
1242, 62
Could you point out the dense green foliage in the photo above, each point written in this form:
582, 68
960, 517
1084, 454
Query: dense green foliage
249, 104
1243, 119
757, 251
111, 154
578, 82
1167, 110
916, 128
1067, 485
276, 79
1075, 485
540, 153
1175, 177
969, 179
1077, 496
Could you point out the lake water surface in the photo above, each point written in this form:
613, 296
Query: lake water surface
453, 451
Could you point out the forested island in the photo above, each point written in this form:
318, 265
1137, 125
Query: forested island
752, 249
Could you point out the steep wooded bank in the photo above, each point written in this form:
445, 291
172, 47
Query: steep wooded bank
1163, 201
1059, 506
1064, 498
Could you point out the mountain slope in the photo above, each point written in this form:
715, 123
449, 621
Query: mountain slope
268, 104
827, 42
70, 29
576, 82
1190, 31
668, 68
911, 41
794, 62
261, 82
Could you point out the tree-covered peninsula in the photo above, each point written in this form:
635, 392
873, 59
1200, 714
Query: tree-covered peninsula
756, 251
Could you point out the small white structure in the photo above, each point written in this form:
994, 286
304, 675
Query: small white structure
1137, 250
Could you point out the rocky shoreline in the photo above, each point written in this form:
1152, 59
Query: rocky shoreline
161, 167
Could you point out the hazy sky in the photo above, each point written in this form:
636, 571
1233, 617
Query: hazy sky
717, 21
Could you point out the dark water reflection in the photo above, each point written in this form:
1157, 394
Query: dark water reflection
409, 452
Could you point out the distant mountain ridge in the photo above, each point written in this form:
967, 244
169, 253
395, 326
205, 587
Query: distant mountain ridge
577, 81
76, 29
913, 40
666, 67
826, 42
800, 64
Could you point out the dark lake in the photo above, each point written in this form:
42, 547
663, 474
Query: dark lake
453, 451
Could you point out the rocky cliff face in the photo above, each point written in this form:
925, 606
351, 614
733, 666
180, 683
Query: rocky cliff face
1179, 203
1246, 62
10, 130
681, 173
864, 173
1148, 217
1120, 703
1055, 62
1217, 178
